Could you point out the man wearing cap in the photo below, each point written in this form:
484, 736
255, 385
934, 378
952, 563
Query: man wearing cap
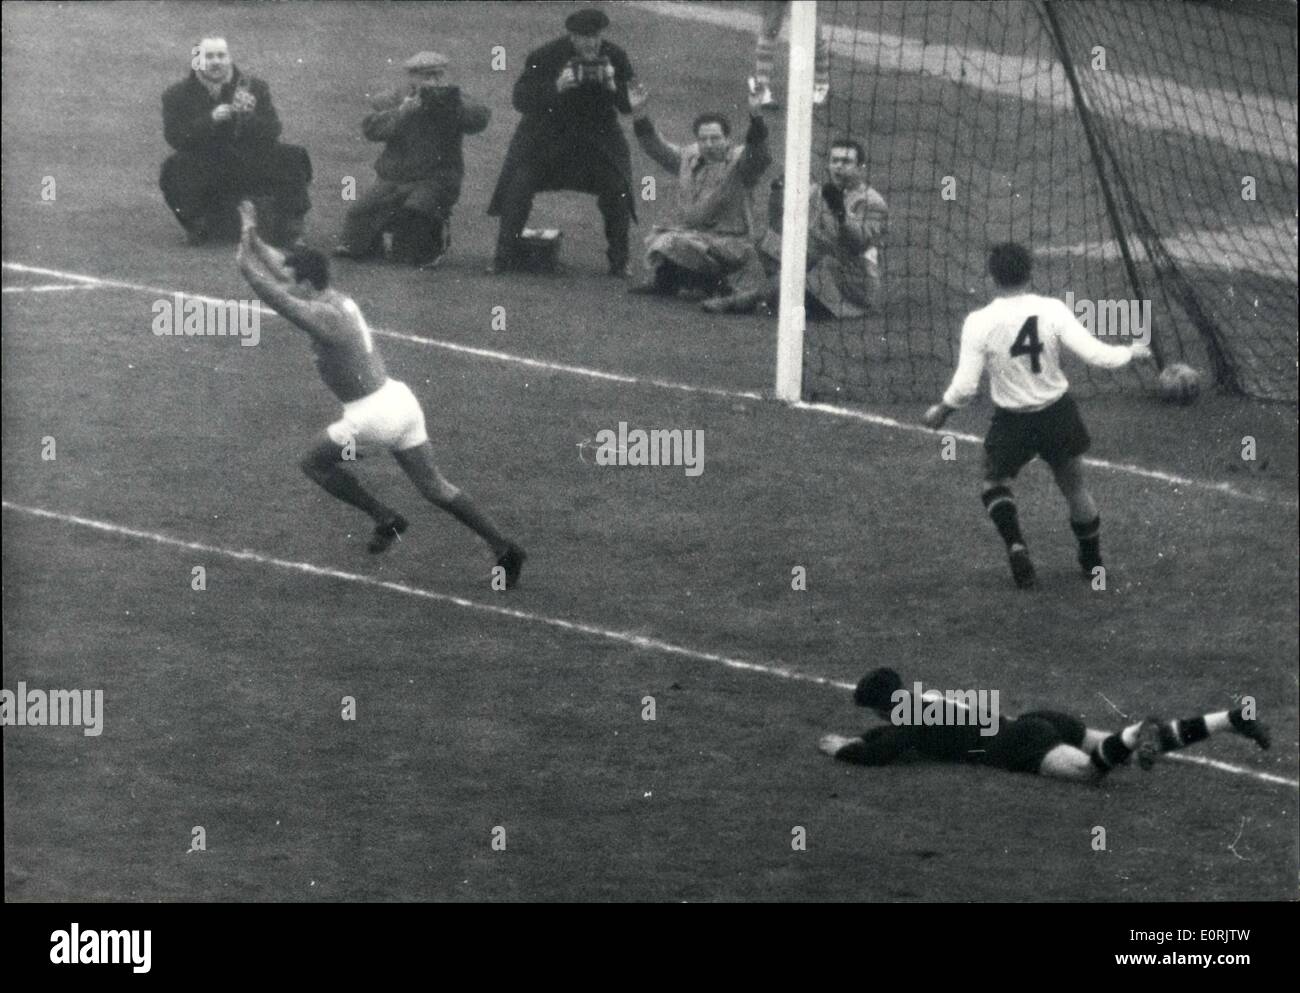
225, 131
420, 169
570, 94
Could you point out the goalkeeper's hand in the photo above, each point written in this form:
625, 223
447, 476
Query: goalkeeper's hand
834, 197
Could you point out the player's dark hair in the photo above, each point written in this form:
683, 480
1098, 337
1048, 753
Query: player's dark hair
309, 264
877, 688
850, 143
711, 118
1010, 264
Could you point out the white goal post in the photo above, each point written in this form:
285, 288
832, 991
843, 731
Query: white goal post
794, 217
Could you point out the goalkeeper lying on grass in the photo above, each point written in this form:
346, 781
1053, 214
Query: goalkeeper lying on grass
1047, 742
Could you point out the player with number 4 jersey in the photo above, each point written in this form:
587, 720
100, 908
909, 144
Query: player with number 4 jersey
376, 410
1018, 338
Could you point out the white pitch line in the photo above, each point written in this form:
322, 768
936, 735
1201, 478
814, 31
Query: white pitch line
880, 420
50, 288
624, 637
578, 627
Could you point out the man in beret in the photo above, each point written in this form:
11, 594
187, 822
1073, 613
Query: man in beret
225, 132
570, 94
420, 169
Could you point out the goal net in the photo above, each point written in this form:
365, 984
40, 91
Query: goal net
1144, 151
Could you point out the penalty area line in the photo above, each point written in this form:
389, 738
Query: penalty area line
578, 627
878, 420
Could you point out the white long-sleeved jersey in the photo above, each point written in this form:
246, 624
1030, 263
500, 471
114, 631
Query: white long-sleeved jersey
1019, 339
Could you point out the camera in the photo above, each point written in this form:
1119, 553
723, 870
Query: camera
593, 72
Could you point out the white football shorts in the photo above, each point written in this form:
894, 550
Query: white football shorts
391, 417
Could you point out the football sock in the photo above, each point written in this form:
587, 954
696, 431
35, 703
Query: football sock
464, 511
1088, 534
763, 52
1115, 749
1180, 734
1001, 506
822, 65
342, 485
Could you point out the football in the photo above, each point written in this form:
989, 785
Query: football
1179, 383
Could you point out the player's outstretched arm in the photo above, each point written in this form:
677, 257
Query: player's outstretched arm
1080, 341
270, 258
879, 746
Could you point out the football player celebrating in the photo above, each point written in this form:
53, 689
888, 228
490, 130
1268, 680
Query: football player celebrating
1018, 337
1045, 742
376, 409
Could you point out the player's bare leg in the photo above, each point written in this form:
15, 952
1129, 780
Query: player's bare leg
1001, 507
1085, 522
321, 466
419, 465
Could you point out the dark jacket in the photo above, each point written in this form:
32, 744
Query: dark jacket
188, 125
573, 140
426, 142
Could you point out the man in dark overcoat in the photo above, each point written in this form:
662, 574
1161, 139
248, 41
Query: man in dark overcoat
225, 132
570, 94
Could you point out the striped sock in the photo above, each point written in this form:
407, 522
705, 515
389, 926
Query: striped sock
1115, 749
763, 58
822, 65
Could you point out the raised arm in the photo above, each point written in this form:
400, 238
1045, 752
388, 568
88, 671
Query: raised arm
665, 153
272, 289
757, 156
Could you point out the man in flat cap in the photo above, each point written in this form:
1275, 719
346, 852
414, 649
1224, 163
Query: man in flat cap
420, 169
226, 132
570, 94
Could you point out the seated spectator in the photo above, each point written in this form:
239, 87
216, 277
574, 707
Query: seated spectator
846, 226
420, 169
225, 131
714, 241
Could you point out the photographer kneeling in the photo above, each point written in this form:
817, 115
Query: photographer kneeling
420, 169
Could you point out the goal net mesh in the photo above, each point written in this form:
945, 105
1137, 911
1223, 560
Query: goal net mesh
1173, 179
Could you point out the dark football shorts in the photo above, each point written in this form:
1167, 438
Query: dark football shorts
1024, 743
1056, 434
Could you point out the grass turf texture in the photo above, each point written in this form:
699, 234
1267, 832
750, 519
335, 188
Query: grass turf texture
222, 707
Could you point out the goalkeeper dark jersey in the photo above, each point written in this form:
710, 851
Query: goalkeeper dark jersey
1018, 745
